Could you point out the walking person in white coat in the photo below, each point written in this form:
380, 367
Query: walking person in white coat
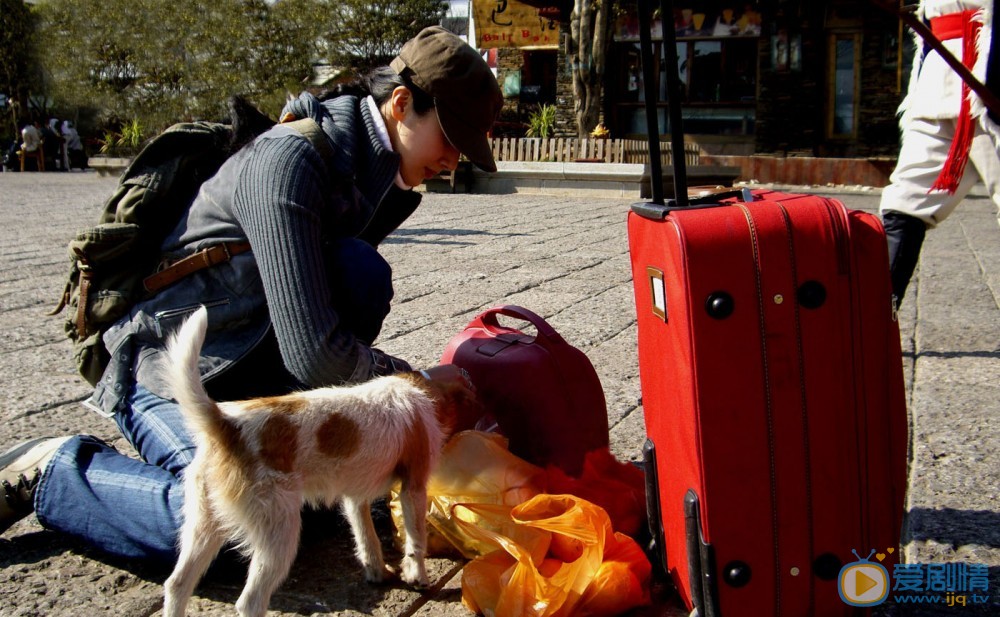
949, 141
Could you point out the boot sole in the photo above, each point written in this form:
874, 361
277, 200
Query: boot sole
18, 451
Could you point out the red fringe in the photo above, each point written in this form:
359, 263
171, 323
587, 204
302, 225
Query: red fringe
958, 155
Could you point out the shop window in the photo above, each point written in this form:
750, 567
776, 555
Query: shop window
535, 84
843, 79
538, 75
718, 86
717, 50
718, 71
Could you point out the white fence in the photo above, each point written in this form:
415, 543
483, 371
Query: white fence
567, 150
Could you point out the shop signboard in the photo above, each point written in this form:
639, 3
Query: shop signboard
510, 23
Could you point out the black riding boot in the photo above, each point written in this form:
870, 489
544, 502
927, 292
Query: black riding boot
905, 235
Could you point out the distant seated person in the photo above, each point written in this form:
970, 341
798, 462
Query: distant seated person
74, 147
31, 141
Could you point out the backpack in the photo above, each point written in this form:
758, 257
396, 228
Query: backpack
111, 260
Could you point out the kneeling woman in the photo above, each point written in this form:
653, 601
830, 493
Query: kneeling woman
299, 303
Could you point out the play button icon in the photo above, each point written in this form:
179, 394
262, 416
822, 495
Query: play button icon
863, 583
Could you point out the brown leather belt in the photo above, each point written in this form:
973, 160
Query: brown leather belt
205, 258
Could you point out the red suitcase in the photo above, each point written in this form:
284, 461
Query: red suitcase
772, 389
544, 393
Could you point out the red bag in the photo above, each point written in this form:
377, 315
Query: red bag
619, 488
543, 392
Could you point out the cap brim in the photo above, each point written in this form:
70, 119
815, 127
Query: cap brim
471, 142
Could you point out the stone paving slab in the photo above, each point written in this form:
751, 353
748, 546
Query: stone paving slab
566, 258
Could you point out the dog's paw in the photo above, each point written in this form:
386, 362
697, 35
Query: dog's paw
380, 574
414, 573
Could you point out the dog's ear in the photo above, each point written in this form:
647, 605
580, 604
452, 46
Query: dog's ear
454, 404
456, 407
461, 407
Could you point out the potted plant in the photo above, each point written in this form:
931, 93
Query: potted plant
541, 122
117, 148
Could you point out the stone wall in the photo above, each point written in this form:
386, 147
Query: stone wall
565, 116
880, 96
807, 170
509, 61
792, 104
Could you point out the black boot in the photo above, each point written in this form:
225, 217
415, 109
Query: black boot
905, 235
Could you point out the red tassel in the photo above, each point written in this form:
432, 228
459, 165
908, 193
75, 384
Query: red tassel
958, 155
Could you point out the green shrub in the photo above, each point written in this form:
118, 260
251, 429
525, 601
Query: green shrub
128, 142
541, 122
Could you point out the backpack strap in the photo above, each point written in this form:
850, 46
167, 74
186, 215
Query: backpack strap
314, 134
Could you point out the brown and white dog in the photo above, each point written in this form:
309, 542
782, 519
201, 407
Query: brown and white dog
259, 460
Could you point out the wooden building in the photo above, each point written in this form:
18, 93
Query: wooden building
788, 77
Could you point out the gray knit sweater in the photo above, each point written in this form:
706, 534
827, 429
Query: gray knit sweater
274, 325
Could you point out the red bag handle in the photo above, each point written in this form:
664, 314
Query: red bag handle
488, 320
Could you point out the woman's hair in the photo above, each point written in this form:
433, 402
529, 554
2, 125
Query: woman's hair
379, 83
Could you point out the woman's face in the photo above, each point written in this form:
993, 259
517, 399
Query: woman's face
418, 139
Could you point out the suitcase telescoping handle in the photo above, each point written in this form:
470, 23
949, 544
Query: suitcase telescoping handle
488, 321
673, 102
658, 208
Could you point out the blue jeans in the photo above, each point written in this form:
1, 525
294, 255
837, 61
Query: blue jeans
123, 506
131, 508
362, 283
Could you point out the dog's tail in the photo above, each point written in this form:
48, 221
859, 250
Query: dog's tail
202, 414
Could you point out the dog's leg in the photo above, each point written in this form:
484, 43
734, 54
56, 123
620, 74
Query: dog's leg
413, 498
200, 542
367, 546
273, 537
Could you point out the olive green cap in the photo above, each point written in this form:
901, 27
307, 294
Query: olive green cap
465, 91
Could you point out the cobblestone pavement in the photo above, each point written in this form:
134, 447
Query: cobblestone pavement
565, 258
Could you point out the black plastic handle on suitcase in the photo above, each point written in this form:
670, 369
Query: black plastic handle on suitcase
658, 209
488, 319
673, 98
657, 212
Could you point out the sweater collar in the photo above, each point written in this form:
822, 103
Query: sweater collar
383, 135
359, 151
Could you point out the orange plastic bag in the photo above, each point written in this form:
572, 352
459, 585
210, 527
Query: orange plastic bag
561, 558
475, 467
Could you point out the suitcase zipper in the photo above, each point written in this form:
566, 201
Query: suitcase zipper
803, 405
850, 269
839, 226
758, 285
803, 410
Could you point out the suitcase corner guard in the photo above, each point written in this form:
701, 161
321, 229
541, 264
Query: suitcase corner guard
701, 561
657, 548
